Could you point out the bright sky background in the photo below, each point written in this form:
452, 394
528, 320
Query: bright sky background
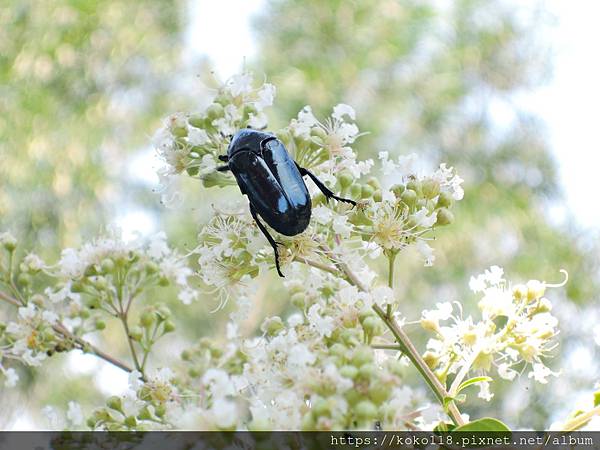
568, 105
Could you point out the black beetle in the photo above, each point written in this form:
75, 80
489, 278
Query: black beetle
273, 182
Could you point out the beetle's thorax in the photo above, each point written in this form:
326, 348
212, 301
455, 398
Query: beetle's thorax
246, 139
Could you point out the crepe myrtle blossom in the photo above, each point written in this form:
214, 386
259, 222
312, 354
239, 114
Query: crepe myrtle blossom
516, 329
338, 357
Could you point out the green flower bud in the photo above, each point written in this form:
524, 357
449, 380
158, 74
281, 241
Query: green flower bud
372, 325
362, 355
353, 396
163, 312
77, 286
398, 189
197, 120
136, 333
219, 179
151, 267
8, 241
168, 327
377, 195
160, 410
415, 185
107, 265
130, 421
298, 300
431, 359
379, 392
366, 191
179, 131
444, 217
430, 188
348, 371
308, 422
365, 410
147, 318
355, 190
91, 423
321, 407
37, 299
215, 111
345, 179
445, 200
338, 349
409, 197
367, 371
272, 325
374, 183
163, 281
186, 355
100, 283
115, 403
100, 324
319, 199
23, 279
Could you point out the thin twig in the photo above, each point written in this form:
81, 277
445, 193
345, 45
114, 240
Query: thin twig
82, 344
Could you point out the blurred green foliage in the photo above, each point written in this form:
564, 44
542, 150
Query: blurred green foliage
80, 82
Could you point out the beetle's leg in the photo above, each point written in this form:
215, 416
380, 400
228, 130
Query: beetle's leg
224, 168
328, 194
223, 158
272, 241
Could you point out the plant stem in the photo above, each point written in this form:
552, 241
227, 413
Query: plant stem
404, 341
136, 362
391, 260
82, 344
581, 420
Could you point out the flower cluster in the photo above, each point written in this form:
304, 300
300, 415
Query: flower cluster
338, 360
193, 142
516, 329
100, 279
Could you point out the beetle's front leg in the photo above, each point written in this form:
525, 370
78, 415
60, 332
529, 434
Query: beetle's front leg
324, 189
272, 241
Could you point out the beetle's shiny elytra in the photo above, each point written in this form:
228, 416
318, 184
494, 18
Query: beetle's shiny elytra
273, 182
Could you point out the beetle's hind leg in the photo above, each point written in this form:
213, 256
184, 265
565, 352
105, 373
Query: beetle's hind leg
272, 241
224, 168
223, 158
324, 189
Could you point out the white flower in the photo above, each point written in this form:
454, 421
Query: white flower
300, 356
322, 325
341, 226
305, 121
423, 218
135, 381
196, 136
50, 317
265, 96
33, 262
597, 334
258, 121
11, 377
224, 413
322, 214
27, 312
74, 413
540, 373
426, 251
484, 391
506, 372
240, 84
341, 110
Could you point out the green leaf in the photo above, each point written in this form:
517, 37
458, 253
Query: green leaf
484, 424
474, 380
596, 398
